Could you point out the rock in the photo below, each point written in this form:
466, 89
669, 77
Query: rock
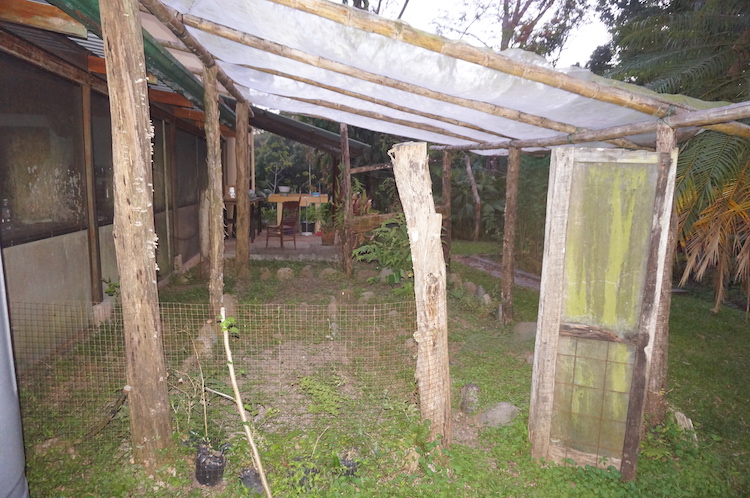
328, 272
384, 274
470, 288
411, 344
469, 398
530, 358
251, 479
480, 291
346, 296
285, 274
524, 331
365, 275
265, 274
486, 299
502, 413
366, 296
306, 272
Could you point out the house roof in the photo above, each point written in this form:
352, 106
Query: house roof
317, 58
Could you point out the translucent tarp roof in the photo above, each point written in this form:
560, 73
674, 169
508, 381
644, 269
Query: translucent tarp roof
297, 61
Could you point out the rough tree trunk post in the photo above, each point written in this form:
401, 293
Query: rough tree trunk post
242, 254
251, 139
447, 207
477, 200
656, 406
410, 166
135, 238
346, 197
509, 233
215, 192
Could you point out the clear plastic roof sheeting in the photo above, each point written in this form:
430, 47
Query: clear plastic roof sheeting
299, 62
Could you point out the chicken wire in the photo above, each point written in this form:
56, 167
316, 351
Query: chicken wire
71, 365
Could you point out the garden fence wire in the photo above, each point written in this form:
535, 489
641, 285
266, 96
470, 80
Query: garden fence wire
294, 363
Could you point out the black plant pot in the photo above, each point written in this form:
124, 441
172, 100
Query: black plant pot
209, 466
307, 226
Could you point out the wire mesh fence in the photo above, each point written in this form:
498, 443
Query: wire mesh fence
294, 363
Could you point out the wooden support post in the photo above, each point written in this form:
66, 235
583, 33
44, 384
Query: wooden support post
410, 166
215, 192
346, 195
242, 254
134, 234
509, 234
656, 405
251, 139
92, 222
477, 200
447, 207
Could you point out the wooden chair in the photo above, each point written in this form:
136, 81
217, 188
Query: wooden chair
288, 226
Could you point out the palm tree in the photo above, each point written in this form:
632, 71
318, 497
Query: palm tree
699, 48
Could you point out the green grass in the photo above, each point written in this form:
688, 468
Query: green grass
709, 359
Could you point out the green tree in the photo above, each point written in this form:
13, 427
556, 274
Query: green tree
699, 48
280, 161
539, 26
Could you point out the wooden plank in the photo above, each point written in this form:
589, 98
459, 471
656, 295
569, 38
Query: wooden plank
242, 251
550, 303
42, 16
169, 98
411, 168
445, 209
97, 65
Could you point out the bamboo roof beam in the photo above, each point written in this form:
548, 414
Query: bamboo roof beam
401, 31
320, 62
695, 118
375, 100
167, 17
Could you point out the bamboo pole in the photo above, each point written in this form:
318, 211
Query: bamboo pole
377, 101
356, 18
168, 17
381, 117
695, 118
320, 62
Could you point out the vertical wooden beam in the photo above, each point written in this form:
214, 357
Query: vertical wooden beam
550, 303
242, 254
346, 195
252, 157
214, 192
134, 234
509, 234
477, 199
656, 405
95, 262
651, 308
172, 198
410, 166
447, 207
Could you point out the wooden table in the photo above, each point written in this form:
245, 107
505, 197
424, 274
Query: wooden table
304, 201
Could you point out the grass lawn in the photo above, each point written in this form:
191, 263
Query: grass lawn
709, 358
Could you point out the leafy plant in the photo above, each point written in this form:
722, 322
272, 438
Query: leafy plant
324, 394
389, 246
113, 288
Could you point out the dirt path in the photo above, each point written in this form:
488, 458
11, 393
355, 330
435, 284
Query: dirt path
522, 278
